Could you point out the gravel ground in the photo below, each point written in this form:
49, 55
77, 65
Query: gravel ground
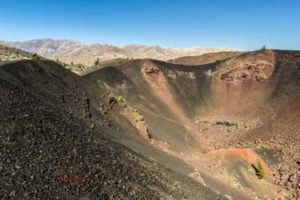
48, 151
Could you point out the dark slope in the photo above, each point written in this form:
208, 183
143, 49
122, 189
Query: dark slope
250, 100
128, 80
54, 142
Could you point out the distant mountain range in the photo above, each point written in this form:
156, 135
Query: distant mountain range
73, 51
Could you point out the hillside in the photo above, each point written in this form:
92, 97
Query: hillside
10, 53
205, 58
104, 63
72, 51
223, 118
58, 141
149, 129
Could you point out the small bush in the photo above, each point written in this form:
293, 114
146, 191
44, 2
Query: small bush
97, 62
219, 62
122, 100
65, 65
80, 66
263, 48
35, 57
259, 170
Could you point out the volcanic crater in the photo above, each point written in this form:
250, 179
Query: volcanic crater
148, 129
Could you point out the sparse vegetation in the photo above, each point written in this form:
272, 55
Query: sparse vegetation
58, 62
97, 62
219, 62
135, 110
259, 170
263, 48
80, 66
10, 53
35, 57
122, 100
71, 66
64, 64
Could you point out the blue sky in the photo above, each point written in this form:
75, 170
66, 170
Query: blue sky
243, 24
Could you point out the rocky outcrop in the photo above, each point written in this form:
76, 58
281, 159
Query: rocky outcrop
257, 73
150, 70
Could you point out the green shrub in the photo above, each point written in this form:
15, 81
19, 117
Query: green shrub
263, 48
97, 62
122, 100
219, 62
65, 64
35, 56
259, 170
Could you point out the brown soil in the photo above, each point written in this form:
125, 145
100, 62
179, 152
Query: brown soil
248, 100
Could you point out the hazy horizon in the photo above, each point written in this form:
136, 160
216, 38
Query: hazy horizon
121, 45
